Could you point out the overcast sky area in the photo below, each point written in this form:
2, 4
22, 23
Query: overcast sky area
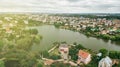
61, 6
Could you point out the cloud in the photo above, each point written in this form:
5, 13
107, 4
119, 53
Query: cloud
74, 0
60, 6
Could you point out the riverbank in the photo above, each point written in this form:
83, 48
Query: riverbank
115, 37
54, 57
51, 34
22, 47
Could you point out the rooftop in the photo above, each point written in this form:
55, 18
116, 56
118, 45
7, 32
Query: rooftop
83, 54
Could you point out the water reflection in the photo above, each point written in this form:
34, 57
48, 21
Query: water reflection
51, 34
105, 40
116, 42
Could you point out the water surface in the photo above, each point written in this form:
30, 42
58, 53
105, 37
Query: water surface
51, 34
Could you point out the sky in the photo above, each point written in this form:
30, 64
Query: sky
61, 6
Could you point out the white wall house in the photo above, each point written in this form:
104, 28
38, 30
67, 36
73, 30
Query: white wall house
64, 50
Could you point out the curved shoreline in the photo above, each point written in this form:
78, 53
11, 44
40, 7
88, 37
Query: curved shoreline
60, 35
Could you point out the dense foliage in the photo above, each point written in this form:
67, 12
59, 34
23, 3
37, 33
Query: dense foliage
114, 54
16, 42
74, 51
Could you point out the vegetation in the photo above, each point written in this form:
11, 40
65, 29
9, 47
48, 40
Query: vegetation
115, 37
73, 51
57, 25
60, 64
114, 54
104, 52
16, 43
2, 64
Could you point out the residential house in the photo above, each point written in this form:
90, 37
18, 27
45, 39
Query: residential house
7, 28
105, 62
104, 32
26, 22
84, 57
64, 50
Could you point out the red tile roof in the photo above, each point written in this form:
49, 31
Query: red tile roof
83, 54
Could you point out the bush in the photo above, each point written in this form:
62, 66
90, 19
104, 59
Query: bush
2, 63
37, 39
74, 51
114, 54
60, 64
104, 52
33, 31
54, 57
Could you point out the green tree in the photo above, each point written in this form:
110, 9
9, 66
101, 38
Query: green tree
79, 46
2, 64
60, 64
24, 43
114, 54
104, 52
1, 45
73, 53
37, 39
39, 65
33, 31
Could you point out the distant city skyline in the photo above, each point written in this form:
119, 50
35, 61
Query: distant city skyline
61, 6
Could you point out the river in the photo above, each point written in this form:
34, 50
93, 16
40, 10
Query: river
51, 34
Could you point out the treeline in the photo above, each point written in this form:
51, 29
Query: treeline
109, 37
114, 54
91, 15
111, 54
57, 25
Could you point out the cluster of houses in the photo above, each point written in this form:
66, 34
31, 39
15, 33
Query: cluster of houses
79, 23
84, 57
7, 23
104, 25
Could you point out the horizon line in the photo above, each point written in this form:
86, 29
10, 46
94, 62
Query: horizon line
65, 12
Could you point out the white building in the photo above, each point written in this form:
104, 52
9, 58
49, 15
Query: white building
64, 50
26, 22
105, 62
